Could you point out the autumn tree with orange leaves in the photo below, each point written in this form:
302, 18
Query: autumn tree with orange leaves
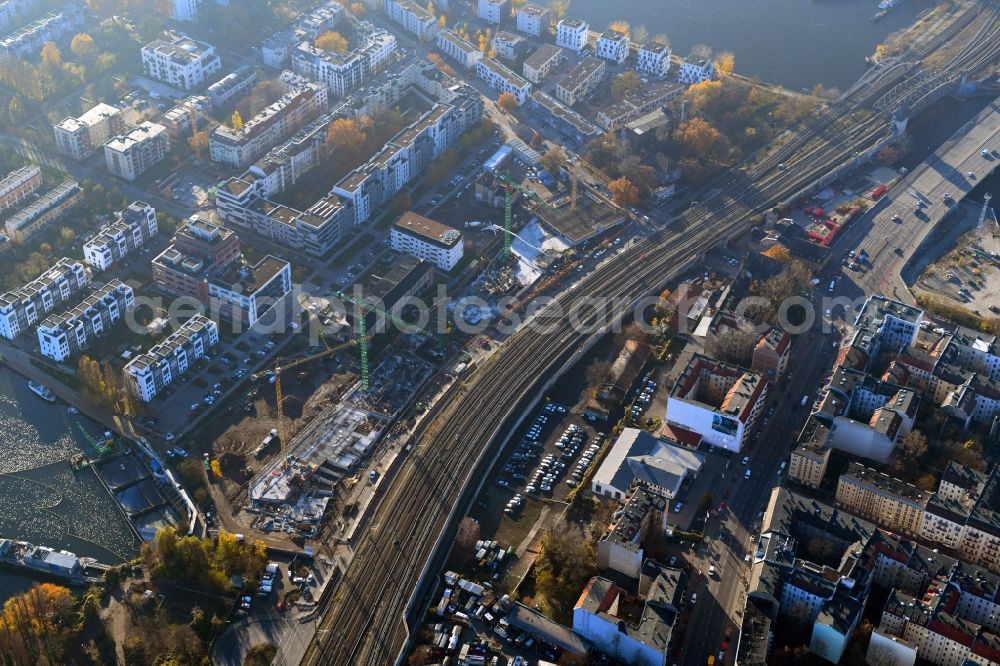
623, 192
35, 626
507, 102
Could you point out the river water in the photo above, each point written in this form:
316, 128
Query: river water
42, 500
797, 43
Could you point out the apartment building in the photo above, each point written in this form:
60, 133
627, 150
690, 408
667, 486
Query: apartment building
462, 51
79, 137
148, 374
130, 231
18, 185
276, 51
47, 209
612, 45
509, 45
646, 99
885, 325
15, 12
533, 19
184, 118
179, 61
26, 43
345, 72
565, 120
324, 18
243, 146
427, 239
244, 293
771, 353
541, 63
643, 515
503, 79
413, 17
187, 10
129, 155
199, 250
719, 401
581, 81
696, 70
572, 34
316, 230
64, 335
493, 11
653, 60
878, 497
23, 308
809, 459
232, 86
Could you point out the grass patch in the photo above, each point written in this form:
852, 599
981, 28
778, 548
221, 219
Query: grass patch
513, 529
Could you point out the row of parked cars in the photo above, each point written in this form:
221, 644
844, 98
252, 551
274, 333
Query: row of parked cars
646, 392
529, 448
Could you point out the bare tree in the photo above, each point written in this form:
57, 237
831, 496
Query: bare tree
662, 40
701, 51
914, 445
468, 534
640, 34
735, 346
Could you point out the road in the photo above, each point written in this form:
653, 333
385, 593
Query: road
367, 623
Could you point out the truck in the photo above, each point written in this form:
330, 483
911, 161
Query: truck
266, 443
805, 400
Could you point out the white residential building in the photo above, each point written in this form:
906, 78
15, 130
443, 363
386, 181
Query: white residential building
344, 72
456, 48
186, 116
426, 239
413, 17
18, 185
180, 61
532, 19
187, 10
23, 308
322, 19
508, 45
148, 374
542, 62
135, 225
295, 109
581, 81
244, 293
61, 336
613, 46
16, 12
79, 137
654, 60
696, 70
233, 85
26, 43
572, 34
129, 155
503, 79
493, 11
276, 51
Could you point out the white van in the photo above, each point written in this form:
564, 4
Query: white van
833, 285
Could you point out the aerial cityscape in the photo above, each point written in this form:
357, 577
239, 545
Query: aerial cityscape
499, 332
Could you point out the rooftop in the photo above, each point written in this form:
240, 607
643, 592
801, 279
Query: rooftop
428, 229
885, 483
638, 456
180, 48
144, 132
579, 76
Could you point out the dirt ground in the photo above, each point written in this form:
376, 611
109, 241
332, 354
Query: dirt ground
968, 275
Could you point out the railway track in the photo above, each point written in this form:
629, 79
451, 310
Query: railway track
364, 623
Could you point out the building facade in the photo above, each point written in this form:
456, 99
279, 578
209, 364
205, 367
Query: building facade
232, 86
458, 49
18, 185
696, 70
129, 155
244, 293
653, 60
581, 81
79, 137
47, 209
532, 19
179, 61
572, 34
198, 251
23, 308
541, 63
503, 79
493, 11
612, 45
345, 72
426, 239
148, 374
133, 228
413, 17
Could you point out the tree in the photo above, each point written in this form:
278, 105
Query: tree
51, 55
697, 138
507, 102
623, 192
927, 482
625, 84
83, 46
725, 62
15, 109
442, 21
735, 346
358, 8
66, 235
468, 533
778, 253
553, 159
913, 446
400, 203
346, 137
35, 626
566, 560
597, 373
261, 654
198, 142
332, 41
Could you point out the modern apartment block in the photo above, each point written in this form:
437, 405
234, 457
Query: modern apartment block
612, 45
47, 209
18, 185
135, 225
236, 84
244, 146
322, 19
493, 11
654, 60
179, 61
413, 17
581, 81
503, 79
878, 497
148, 374
64, 335
719, 401
572, 34
811, 455
244, 292
14, 12
541, 63
463, 51
345, 72
509, 45
23, 308
276, 51
532, 19
184, 118
130, 154
27, 42
198, 251
696, 70
79, 137
427, 239
187, 10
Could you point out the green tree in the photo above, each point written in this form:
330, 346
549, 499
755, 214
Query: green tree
625, 84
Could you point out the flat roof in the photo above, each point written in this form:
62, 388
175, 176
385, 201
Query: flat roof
428, 230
